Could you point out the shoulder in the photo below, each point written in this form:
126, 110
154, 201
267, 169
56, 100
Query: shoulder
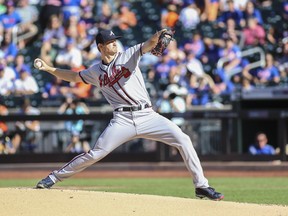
252, 146
135, 47
131, 51
270, 146
94, 68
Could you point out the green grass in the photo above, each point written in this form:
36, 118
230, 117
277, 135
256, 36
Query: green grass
248, 190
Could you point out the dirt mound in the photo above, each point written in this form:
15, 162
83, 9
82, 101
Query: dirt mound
23, 201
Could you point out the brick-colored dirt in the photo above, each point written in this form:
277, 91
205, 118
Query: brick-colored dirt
173, 169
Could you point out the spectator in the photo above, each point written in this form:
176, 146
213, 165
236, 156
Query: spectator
176, 76
221, 88
261, 147
251, 11
268, 75
190, 16
72, 8
26, 84
233, 13
272, 40
19, 65
152, 87
11, 18
285, 10
55, 32
9, 73
76, 145
2, 7
170, 18
8, 48
105, 21
174, 104
91, 54
232, 53
53, 89
70, 57
196, 45
74, 28
71, 106
230, 31
87, 27
198, 91
175, 53
254, 34
79, 90
282, 61
162, 69
29, 15
6, 146
3, 126
126, 18
173, 101
241, 4
6, 85
194, 65
77, 31
48, 52
246, 85
28, 133
212, 9
212, 51
238, 4
50, 9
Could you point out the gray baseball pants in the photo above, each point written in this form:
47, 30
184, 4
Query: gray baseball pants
126, 126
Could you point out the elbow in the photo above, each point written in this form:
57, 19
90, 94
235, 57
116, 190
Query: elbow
77, 78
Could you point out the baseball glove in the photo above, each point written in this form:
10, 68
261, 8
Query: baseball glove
164, 39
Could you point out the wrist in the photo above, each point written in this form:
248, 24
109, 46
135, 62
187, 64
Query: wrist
51, 69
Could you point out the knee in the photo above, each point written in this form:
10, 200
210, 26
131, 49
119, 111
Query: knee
185, 141
97, 154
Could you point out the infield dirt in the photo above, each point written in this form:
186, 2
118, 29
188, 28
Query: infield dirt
24, 201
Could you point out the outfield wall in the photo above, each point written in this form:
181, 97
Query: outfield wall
217, 135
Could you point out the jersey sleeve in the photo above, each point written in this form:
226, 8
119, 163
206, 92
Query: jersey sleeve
132, 56
89, 76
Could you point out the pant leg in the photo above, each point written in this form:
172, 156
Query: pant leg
156, 127
119, 131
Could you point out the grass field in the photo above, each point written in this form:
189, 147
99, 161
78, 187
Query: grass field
272, 190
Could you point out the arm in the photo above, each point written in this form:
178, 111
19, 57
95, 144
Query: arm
67, 75
63, 108
152, 42
68, 148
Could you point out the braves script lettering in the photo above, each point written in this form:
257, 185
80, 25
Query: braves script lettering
116, 75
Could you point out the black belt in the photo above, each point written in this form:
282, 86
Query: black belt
132, 108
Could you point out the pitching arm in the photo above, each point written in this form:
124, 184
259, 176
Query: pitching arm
63, 74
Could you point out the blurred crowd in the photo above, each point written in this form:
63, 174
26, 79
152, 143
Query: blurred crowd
204, 68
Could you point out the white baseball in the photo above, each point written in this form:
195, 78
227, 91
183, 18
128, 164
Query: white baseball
38, 64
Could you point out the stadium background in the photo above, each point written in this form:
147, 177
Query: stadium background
222, 120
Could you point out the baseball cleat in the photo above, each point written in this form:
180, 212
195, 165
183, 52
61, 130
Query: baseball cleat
45, 183
209, 193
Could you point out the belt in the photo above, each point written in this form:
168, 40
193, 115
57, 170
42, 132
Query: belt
132, 108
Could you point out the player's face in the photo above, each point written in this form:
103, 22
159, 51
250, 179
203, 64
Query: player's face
110, 47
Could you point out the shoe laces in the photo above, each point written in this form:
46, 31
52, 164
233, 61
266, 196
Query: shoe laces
212, 189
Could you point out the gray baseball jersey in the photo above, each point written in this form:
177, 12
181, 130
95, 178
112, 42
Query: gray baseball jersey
122, 84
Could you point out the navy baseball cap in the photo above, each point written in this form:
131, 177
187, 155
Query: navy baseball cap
105, 35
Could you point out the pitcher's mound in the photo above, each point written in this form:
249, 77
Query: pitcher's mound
30, 202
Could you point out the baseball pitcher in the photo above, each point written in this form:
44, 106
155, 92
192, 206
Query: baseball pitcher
120, 80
